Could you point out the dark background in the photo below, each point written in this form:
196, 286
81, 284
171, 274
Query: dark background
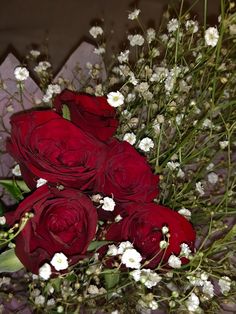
58, 26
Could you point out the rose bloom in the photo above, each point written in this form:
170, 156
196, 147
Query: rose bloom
143, 227
50, 147
92, 114
64, 221
126, 175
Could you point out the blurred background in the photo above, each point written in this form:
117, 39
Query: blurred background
57, 26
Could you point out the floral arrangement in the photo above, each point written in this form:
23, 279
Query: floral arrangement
124, 189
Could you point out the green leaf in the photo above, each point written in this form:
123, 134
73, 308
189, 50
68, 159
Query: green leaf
66, 112
95, 245
12, 188
9, 262
57, 284
23, 186
112, 278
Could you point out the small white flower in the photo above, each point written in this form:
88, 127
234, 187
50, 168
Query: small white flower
185, 212
123, 246
172, 165
51, 302
149, 278
16, 171
163, 244
172, 25
193, 302
136, 40
35, 53
45, 271
153, 305
53, 89
21, 73
212, 178
165, 230
39, 300
225, 284
180, 173
92, 289
185, 250
146, 144
60, 309
115, 99
108, 204
210, 167
192, 25
123, 56
151, 34
59, 261
207, 123
96, 31
99, 51
130, 138
112, 250
160, 118
42, 67
211, 36
208, 288
2, 220
199, 188
96, 198
118, 218
223, 144
136, 274
232, 29
133, 15
46, 98
41, 182
156, 126
174, 261
131, 258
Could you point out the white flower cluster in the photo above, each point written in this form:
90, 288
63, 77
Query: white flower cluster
225, 284
59, 262
42, 67
192, 302
108, 203
147, 277
51, 90
123, 56
136, 40
200, 279
130, 257
134, 15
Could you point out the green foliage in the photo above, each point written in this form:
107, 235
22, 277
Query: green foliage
9, 262
66, 112
15, 187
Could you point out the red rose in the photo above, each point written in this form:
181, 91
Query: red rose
143, 228
92, 114
64, 222
50, 147
127, 175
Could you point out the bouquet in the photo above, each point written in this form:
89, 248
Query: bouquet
120, 194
